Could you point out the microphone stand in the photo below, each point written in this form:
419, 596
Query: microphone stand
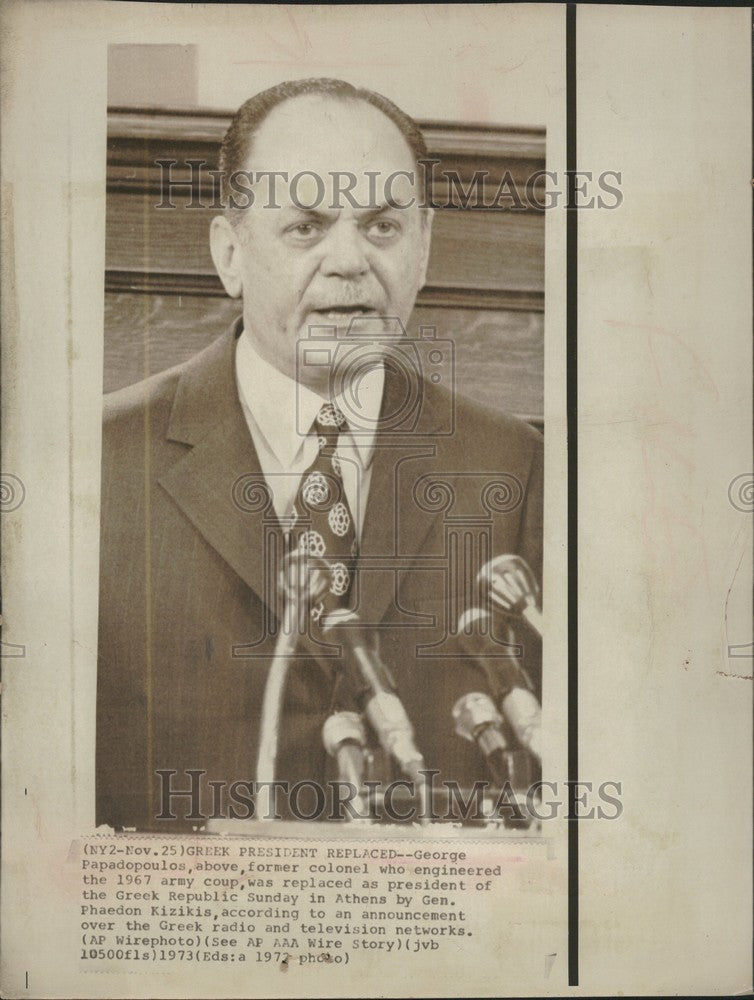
344, 739
297, 566
509, 684
382, 706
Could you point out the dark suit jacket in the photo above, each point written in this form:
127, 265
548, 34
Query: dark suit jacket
187, 603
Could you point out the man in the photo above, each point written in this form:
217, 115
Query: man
269, 441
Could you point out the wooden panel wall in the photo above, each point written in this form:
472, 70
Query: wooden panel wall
485, 288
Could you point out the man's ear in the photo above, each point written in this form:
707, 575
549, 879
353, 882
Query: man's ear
426, 231
226, 254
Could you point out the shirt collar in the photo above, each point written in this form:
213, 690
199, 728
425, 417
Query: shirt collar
282, 408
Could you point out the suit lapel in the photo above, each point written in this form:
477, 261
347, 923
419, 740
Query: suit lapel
220, 487
397, 529
219, 483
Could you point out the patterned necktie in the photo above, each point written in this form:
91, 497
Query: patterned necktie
321, 521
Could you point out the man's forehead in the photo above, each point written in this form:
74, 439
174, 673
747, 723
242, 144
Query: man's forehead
324, 134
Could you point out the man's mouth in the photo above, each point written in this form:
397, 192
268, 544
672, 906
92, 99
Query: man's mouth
339, 311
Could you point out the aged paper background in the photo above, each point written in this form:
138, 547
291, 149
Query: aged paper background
665, 403
665, 352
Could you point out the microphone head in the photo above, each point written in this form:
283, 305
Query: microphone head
509, 583
343, 727
473, 619
303, 578
474, 712
524, 714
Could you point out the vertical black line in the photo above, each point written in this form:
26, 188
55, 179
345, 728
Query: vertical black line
750, 244
572, 506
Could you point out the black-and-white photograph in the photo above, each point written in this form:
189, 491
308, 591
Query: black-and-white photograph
322, 457
376, 500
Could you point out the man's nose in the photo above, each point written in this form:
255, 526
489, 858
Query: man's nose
344, 252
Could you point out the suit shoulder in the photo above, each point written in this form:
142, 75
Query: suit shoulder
481, 429
472, 413
129, 405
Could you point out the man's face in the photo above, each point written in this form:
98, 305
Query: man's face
350, 254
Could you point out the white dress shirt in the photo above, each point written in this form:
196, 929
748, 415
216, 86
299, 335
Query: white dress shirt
280, 415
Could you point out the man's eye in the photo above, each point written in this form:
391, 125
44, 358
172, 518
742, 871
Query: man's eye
304, 231
382, 228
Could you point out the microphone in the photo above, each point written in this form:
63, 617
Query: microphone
301, 582
382, 706
478, 721
524, 715
345, 740
510, 584
508, 682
